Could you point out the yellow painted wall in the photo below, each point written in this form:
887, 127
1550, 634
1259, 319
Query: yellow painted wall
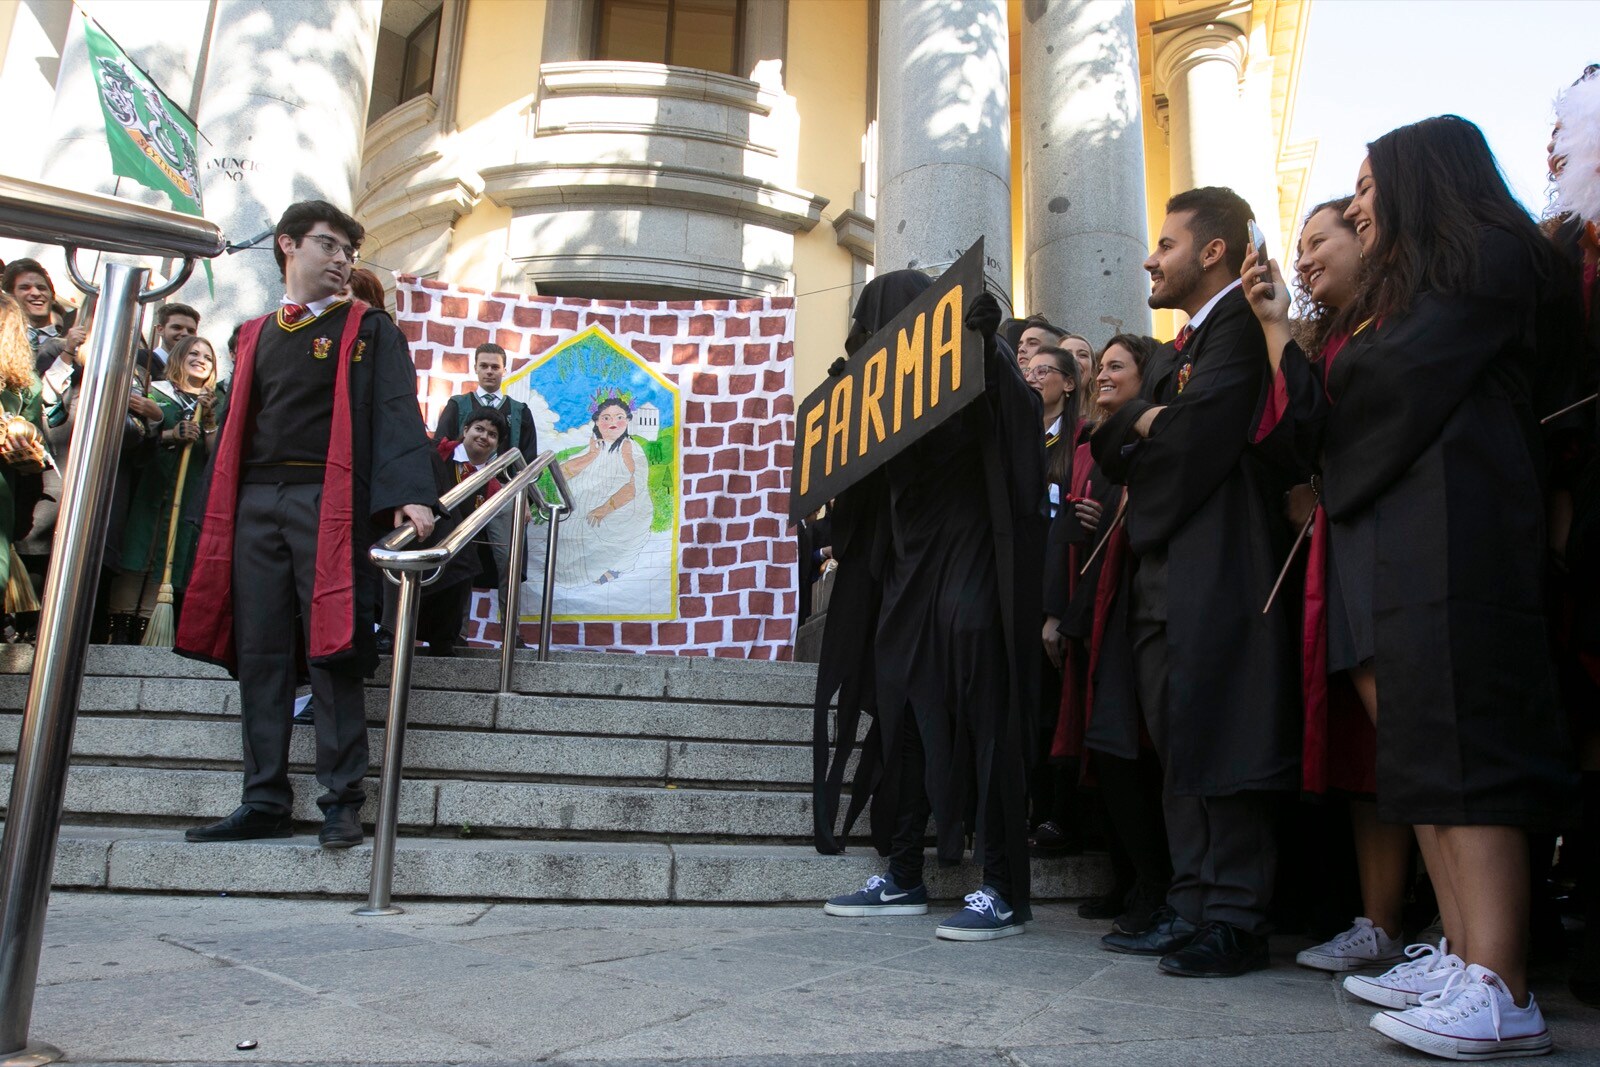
499, 56
500, 50
8, 15
827, 76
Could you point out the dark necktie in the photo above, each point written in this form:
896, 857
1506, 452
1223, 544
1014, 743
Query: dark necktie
491, 400
293, 313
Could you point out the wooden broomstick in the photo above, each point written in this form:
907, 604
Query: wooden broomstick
161, 632
1116, 520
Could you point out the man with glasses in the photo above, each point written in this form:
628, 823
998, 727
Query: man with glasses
323, 448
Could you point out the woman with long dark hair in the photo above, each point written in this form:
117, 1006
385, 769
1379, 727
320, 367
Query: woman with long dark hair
1054, 374
1098, 723
1338, 745
1431, 472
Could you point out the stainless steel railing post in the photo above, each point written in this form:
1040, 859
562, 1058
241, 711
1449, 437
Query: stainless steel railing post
548, 600
391, 555
394, 748
511, 625
38, 785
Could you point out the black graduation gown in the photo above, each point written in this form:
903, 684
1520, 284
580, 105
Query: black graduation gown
846, 666
955, 640
1432, 437
1201, 492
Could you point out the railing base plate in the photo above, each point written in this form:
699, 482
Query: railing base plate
367, 912
32, 1056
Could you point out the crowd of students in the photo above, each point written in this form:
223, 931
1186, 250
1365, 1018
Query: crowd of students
1253, 532
178, 402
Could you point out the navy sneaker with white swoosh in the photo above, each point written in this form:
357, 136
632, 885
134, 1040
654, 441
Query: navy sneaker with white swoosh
880, 896
985, 918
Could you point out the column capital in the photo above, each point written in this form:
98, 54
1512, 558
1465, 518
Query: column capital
1175, 54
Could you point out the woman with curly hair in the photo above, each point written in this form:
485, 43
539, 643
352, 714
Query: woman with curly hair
21, 446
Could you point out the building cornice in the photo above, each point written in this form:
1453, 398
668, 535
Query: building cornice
541, 184
616, 78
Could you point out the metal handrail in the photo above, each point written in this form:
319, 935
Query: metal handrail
47, 215
405, 568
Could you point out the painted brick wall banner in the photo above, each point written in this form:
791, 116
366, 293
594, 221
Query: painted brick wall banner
680, 414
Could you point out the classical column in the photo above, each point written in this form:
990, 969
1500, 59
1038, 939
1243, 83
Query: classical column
1214, 138
285, 111
944, 107
1083, 166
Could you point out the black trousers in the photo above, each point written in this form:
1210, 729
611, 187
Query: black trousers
1224, 849
274, 566
911, 826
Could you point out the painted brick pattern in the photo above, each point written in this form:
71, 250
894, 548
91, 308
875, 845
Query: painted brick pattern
732, 361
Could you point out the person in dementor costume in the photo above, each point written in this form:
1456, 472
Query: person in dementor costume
932, 630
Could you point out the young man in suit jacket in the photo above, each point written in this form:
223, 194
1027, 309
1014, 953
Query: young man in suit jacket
489, 364
1216, 678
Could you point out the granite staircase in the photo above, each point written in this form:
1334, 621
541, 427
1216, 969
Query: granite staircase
603, 777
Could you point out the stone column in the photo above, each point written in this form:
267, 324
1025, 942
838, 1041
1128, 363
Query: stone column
944, 103
1083, 166
285, 110
1212, 138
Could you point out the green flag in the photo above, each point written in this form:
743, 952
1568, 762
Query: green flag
151, 140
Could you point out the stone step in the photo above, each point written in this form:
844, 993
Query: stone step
186, 797
434, 752
690, 678
503, 870
570, 714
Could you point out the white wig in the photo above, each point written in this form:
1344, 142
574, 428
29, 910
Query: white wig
1578, 140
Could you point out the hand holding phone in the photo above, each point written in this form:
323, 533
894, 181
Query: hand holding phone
1259, 239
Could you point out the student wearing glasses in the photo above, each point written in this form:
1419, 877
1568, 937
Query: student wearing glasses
324, 449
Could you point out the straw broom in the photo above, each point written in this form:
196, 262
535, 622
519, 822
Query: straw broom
160, 632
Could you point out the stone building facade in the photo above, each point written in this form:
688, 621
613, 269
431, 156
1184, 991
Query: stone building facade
669, 149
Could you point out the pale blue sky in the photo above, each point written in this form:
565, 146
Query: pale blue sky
1372, 65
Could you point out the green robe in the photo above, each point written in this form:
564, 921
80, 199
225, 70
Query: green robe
28, 405
144, 540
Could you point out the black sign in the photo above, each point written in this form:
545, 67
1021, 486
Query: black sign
910, 377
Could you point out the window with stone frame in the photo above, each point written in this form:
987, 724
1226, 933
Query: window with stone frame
686, 33
408, 52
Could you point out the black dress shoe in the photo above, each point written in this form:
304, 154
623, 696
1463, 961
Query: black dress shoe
1106, 907
341, 827
245, 824
1145, 907
1220, 951
1167, 934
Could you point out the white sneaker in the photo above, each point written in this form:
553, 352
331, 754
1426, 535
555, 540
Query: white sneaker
1402, 985
1472, 1018
1363, 945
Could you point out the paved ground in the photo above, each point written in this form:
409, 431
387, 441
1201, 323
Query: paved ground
172, 979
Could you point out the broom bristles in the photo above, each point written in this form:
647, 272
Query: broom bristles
159, 633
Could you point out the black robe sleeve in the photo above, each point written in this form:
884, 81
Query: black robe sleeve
1416, 370
449, 427
1196, 443
528, 436
402, 466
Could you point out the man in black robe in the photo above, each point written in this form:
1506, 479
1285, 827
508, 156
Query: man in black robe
940, 640
1216, 678
323, 448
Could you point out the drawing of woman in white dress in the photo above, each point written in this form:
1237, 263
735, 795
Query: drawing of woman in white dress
610, 483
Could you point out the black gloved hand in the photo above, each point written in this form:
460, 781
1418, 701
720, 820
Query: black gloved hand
836, 368
983, 315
